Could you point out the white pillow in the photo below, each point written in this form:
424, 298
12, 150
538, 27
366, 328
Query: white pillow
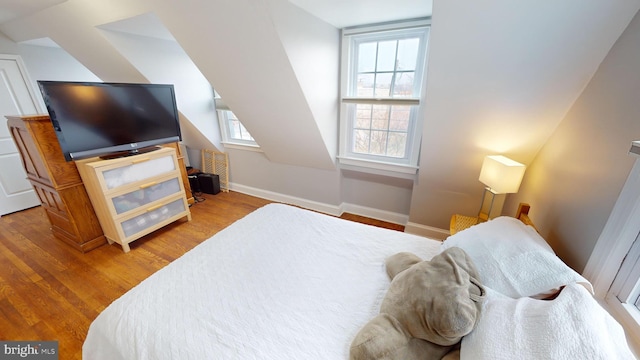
572, 326
513, 259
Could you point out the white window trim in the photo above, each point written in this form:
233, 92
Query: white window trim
626, 285
408, 166
379, 168
612, 247
238, 146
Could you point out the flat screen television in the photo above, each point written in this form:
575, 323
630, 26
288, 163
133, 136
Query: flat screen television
110, 119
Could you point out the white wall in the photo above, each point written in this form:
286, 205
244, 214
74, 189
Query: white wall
254, 170
164, 62
575, 180
46, 63
40, 59
392, 195
330, 191
326, 190
502, 75
234, 43
313, 48
246, 61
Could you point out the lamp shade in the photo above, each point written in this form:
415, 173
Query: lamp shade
501, 174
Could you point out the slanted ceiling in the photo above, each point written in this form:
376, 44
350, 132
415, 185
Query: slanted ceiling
502, 77
237, 47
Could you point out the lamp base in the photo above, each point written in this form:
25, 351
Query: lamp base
491, 205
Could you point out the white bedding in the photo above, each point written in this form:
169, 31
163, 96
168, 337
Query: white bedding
285, 283
513, 259
281, 283
572, 326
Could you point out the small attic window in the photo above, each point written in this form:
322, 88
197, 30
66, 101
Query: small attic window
232, 129
236, 131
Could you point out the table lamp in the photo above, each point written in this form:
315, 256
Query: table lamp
501, 176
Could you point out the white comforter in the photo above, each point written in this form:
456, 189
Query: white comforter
281, 283
572, 326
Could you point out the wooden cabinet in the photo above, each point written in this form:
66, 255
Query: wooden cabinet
57, 183
135, 195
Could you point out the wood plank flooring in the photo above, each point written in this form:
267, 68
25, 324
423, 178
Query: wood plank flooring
50, 291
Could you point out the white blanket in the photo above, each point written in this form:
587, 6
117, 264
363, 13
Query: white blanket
281, 283
572, 326
514, 259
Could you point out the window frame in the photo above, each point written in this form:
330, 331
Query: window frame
625, 288
223, 121
614, 244
351, 38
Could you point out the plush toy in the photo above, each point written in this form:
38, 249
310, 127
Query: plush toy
429, 307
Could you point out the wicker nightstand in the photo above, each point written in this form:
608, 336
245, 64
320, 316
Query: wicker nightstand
461, 222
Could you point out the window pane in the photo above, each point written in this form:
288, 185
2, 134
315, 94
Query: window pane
386, 56
381, 130
400, 116
403, 86
408, 53
365, 85
237, 131
383, 84
234, 129
361, 141
378, 142
244, 134
367, 57
397, 144
380, 118
363, 116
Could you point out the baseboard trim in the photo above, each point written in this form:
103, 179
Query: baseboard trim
287, 199
382, 215
426, 231
335, 210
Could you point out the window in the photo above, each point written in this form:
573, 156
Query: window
383, 69
233, 132
614, 265
236, 131
626, 286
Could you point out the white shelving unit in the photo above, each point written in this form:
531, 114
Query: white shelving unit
135, 195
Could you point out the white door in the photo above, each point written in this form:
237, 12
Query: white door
16, 98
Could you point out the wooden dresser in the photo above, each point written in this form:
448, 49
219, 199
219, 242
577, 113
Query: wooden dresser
57, 183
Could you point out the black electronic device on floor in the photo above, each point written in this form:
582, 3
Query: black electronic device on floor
208, 183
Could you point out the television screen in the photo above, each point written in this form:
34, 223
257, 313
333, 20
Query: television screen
95, 119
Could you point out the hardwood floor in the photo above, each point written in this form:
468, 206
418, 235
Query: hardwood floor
50, 291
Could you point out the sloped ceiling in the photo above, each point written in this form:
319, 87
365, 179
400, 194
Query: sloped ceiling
339, 13
12, 9
345, 13
502, 77
260, 66
239, 48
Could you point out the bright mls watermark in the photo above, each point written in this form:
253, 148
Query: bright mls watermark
42, 350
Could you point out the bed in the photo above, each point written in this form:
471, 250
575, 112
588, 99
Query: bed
288, 283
